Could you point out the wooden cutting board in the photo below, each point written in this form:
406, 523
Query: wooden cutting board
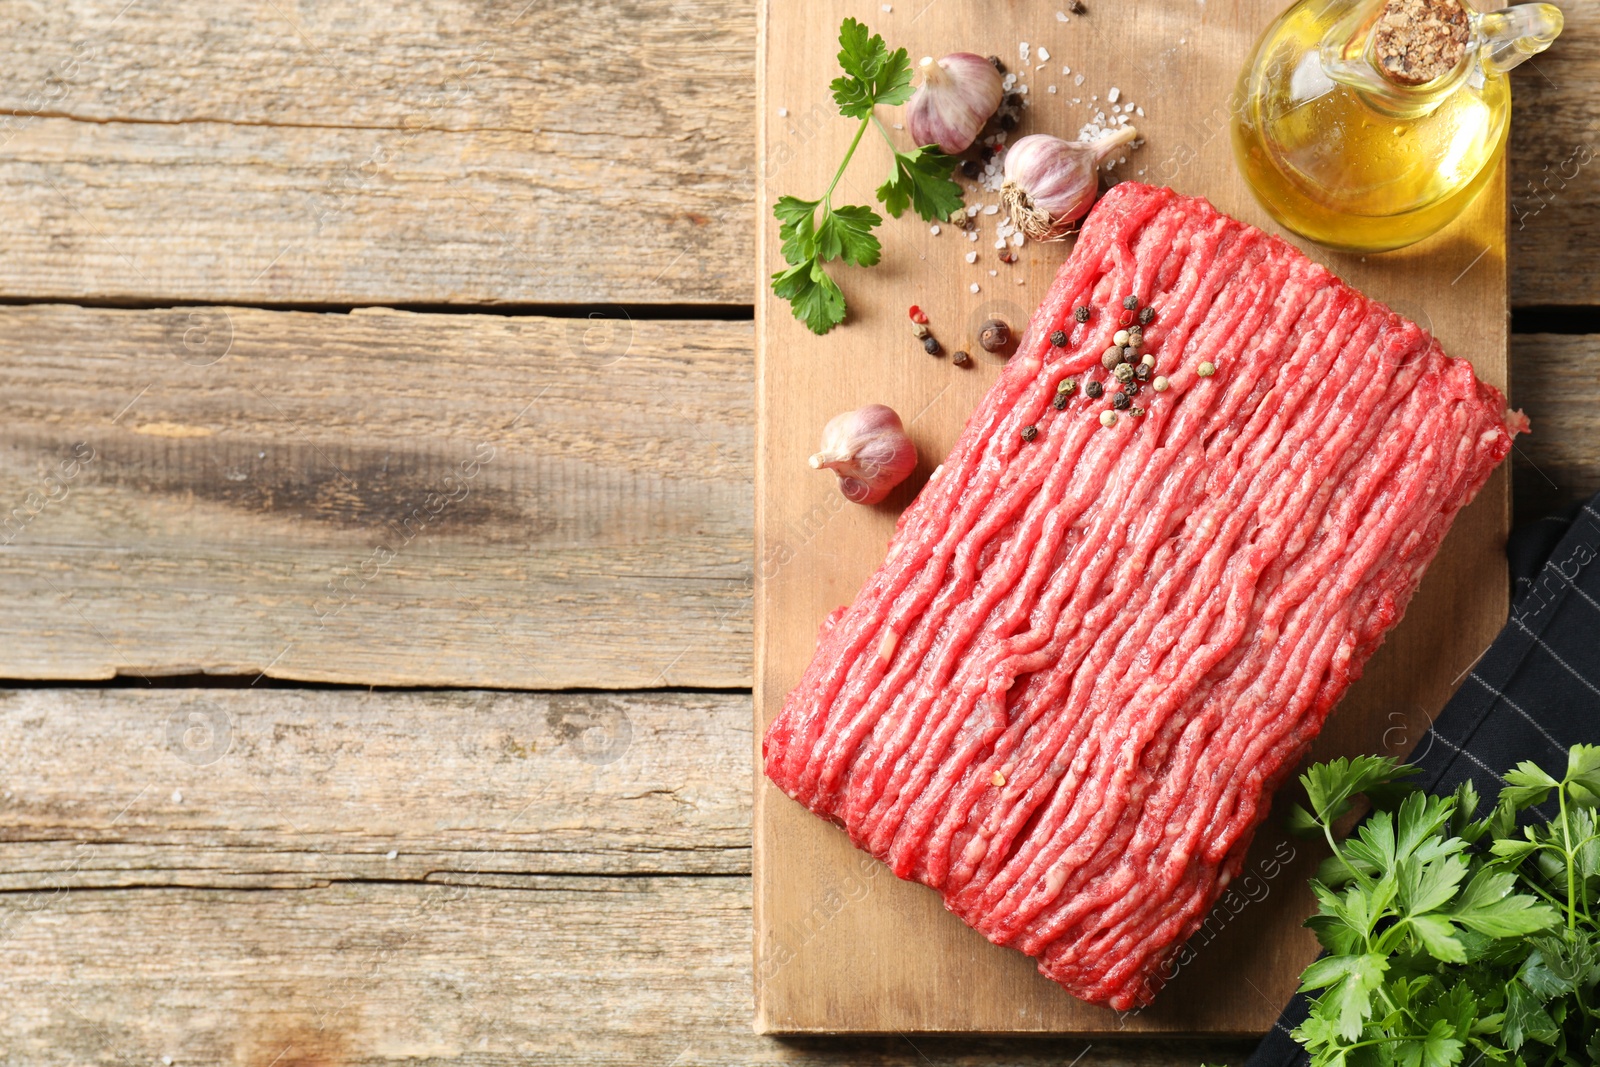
840, 943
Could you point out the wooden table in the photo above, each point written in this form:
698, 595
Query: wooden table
375, 527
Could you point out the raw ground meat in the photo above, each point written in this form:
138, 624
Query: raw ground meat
1067, 695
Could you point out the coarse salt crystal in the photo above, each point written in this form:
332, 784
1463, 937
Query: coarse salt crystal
972, 257
1075, 81
888, 8
1021, 282
1010, 80
934, 230
783, 112
1114, 94
1066, 70
1022, 49
1052, 88
974, 287
1139, 111
1022, 90
972, 235
991, 209
1001, 243
994, 273
1017, 240
973, 209
1061, 16
899, 126
1044, 54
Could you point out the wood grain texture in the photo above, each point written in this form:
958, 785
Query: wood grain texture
342, 153
897, 960
278, 788
482, 153
380, 497
525, 970
1555, 166
1555, 378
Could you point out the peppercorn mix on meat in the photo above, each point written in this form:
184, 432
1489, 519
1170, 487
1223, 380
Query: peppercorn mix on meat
1115, 618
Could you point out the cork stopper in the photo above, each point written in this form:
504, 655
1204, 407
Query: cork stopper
1417, 41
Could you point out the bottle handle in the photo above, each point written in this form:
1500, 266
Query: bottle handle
1514, 34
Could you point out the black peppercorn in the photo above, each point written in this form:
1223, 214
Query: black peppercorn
1029, 433
1120, 401
1081, 314
960, 358
1130, 302
998, 65
1128, 352
1077, 8
1141, 372
1059, 401
1146, 315
1094, 389
971, 168
931, 346
1008, 122
1059, 338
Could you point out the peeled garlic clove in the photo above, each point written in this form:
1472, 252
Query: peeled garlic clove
958, 95
869, 450
1050, 184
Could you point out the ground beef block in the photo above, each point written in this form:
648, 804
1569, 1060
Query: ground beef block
1065, 698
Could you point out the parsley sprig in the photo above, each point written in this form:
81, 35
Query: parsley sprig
1452, 939
873, 75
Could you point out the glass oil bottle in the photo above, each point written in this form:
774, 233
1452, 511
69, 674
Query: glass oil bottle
1368, 125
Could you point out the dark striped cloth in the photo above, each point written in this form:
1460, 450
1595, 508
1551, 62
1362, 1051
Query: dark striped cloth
1532, 695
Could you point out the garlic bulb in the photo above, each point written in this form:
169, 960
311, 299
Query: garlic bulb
869, 450
958, 95
1050, 183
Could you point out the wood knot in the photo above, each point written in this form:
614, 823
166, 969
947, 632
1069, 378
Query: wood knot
1417, 41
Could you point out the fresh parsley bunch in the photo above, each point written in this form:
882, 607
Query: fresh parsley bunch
1452, 939
873, 75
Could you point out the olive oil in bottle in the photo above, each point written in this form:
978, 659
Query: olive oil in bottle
1368, 125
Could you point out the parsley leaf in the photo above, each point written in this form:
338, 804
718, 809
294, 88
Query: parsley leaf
873, 74
1450, 939
846, 233
817, 299
921, 179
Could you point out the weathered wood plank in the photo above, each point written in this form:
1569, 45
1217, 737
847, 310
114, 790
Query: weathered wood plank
205, 527
539, 970
1555, 167
463, 152
259, 788
381, 497
1555, 379
565, 151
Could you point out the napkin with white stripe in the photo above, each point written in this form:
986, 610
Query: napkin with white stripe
1535, 693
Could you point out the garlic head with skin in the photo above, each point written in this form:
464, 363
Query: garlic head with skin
958, 94
869, 450
1050, 184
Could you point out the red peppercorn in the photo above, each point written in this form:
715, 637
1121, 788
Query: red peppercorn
918, 315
